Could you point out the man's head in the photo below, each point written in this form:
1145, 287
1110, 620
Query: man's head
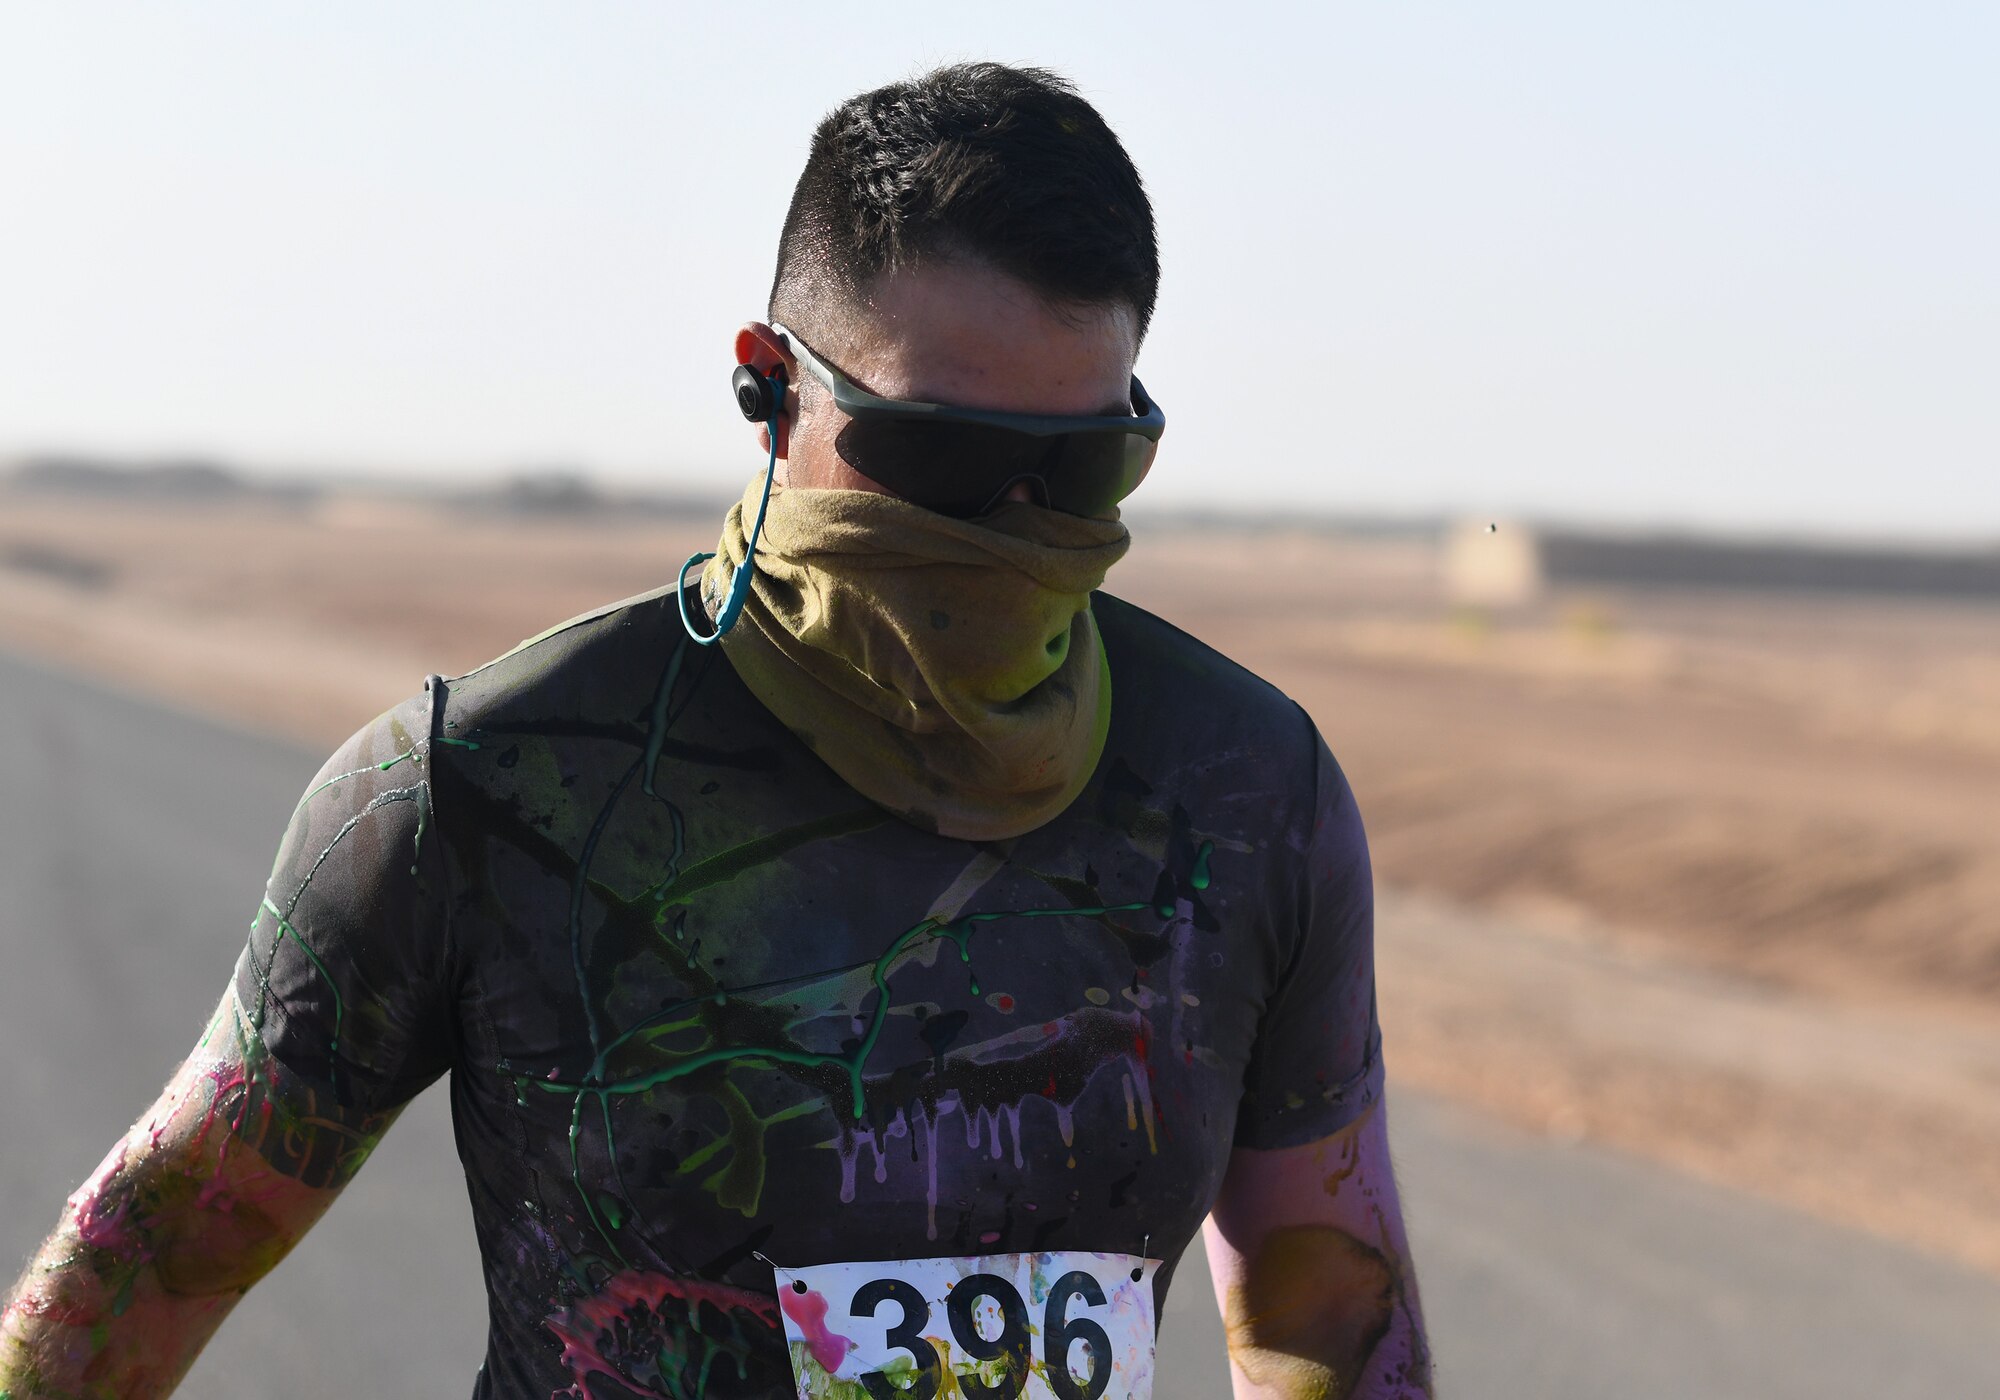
977, 237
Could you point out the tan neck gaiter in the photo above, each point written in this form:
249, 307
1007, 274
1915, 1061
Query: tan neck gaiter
948, 670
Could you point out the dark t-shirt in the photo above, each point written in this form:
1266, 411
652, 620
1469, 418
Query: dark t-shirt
702, 1002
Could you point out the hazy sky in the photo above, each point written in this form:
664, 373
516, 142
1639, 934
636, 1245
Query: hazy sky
1705, 263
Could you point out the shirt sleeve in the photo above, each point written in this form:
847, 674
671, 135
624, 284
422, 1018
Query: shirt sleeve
1316, 1065
346, 973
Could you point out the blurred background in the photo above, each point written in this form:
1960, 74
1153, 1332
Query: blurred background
1586, 412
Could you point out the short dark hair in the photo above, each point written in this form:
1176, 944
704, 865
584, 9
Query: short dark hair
1006, 164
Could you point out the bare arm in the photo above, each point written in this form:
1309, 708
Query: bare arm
205, 1194
1313, 1275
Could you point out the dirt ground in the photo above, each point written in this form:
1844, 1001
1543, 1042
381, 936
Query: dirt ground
1711, 878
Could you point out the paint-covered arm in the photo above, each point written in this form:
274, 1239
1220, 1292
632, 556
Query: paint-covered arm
200, 1199
1312, 1271
339, 1013
1305, 1239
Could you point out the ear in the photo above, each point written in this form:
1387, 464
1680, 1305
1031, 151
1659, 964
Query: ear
764, 350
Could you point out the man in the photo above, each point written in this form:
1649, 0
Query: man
889, 991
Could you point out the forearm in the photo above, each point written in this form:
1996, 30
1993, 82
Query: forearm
108, 1306
1320, 1315
198, 1201
1313, 1273
1400, 1366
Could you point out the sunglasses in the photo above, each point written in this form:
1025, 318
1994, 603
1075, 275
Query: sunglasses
963, 461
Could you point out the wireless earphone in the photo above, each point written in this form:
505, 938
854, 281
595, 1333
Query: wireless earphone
756, 395
761, 397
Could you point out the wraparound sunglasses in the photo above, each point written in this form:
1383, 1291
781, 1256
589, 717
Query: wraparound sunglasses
962, 461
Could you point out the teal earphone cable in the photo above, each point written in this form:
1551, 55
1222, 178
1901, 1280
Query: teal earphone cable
741, 576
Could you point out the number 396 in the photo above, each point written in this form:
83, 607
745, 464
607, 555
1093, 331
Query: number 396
1013, 1347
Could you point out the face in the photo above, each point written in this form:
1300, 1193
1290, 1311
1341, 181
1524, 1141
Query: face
966, 334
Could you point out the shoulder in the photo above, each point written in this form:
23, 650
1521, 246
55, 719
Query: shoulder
605, 664
1224, 737
1162, 677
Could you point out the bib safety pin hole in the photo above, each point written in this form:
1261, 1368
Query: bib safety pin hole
1138, 1274
798, 1285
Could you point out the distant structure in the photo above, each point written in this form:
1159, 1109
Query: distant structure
570, 493
1516, 564
191, 480
554, 491
549, 492
1491, 564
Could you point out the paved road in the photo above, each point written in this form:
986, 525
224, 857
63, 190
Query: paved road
132, 846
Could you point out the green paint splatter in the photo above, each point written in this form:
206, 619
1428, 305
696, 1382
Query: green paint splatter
659, 720
285, 930
738, 1184
700, 1157
384, 766
958, 931
726, 865
423, 813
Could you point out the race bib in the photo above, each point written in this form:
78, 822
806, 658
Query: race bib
1062, 1326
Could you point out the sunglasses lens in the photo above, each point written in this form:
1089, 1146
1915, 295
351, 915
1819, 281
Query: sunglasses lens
1090, 473
952, 468
963, 469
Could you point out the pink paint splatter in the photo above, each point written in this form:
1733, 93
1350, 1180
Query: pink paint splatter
598, 1334
808, 1310
104, 1218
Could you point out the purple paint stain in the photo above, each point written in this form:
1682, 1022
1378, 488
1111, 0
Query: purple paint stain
929, 1125
850, 1144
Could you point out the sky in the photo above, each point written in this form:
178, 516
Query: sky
1709, 265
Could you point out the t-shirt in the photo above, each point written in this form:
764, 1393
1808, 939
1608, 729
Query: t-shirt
710, 1014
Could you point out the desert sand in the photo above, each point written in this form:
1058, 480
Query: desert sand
1708, 877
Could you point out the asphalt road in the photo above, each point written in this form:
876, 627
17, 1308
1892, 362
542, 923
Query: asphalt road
133, 841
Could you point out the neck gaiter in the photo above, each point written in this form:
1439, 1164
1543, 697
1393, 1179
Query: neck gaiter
948, 670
